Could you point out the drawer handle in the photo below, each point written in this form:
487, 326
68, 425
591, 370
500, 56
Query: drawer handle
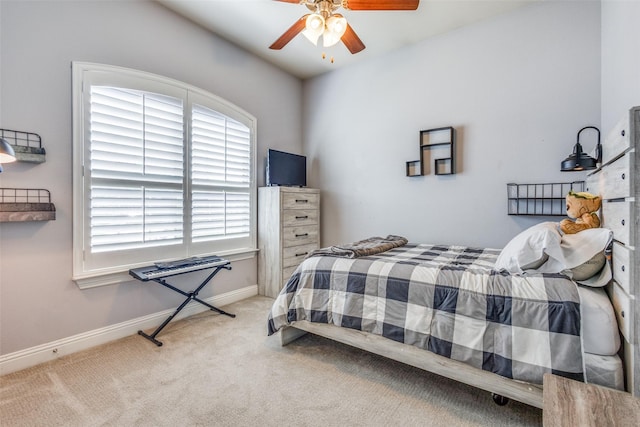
302, 235
304, 253
622, 313
623, 132
623, 177
302, 201
622, 268
622, 222
302, 217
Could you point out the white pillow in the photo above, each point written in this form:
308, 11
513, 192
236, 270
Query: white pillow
530, 249
542, 249
580, 248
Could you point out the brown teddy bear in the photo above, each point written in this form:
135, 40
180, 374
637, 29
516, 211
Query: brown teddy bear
583, 207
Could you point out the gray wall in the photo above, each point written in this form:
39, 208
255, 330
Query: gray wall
517, 88
38, 301
620, 59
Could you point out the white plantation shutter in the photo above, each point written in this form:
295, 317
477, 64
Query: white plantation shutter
220, 214
220, 159
136, 169
163, 171
135, 134
221, 149
134, 217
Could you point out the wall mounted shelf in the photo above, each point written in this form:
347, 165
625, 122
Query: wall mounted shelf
540, 199
27, 145
26, 204
414, 168
438, 145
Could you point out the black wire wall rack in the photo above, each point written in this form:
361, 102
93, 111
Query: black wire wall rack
26, 204
546, 199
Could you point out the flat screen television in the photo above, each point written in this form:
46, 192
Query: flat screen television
286, 169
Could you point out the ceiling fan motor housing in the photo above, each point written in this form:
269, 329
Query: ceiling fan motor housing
324, 7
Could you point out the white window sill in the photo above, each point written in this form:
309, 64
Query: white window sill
113, 278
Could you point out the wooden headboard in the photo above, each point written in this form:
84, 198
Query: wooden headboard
617, 182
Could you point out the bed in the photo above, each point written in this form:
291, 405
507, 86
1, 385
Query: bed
495, 319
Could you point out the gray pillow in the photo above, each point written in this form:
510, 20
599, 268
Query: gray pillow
590, 268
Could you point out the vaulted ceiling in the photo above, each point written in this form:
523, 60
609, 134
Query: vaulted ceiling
255, 24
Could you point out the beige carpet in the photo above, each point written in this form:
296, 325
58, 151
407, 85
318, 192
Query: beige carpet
217, 371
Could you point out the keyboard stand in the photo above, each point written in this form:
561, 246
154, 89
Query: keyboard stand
191, 296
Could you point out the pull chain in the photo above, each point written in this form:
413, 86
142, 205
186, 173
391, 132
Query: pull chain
324, 56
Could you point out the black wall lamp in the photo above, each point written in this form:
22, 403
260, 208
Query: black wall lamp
579, 160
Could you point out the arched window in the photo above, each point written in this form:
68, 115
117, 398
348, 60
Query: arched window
162, 170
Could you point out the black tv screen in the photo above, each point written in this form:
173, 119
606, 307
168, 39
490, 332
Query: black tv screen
286, 169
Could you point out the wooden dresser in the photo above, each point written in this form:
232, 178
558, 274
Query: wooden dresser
618, 183
288, 229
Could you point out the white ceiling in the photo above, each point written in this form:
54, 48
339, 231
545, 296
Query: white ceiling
255, 24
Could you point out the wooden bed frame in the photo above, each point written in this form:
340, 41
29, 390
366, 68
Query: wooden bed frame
530, 394
620, 212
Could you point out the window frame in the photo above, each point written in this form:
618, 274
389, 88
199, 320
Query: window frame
86, 272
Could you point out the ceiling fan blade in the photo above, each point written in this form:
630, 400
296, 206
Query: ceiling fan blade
380, 4
352, 41
288, 35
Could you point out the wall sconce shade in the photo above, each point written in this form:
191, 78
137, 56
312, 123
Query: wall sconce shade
579, 160
7, 155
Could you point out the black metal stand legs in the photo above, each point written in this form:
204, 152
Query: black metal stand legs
191, 296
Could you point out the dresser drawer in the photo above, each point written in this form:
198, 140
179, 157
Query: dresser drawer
296, 236
616, 216
617, 141
618, 178
622, 307
295, 254
622, 267
593, 183
613, 181
298, 217
300, 200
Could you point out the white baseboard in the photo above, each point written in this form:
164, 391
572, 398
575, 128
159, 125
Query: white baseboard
50, 351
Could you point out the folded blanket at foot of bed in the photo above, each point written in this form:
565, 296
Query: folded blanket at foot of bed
366, 247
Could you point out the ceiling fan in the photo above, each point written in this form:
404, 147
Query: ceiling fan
332, 26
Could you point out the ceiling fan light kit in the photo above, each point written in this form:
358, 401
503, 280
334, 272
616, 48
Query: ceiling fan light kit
314, 27
333, 27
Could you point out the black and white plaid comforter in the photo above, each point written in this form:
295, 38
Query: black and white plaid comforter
447, 300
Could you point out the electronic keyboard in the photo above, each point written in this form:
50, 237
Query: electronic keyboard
172, 268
